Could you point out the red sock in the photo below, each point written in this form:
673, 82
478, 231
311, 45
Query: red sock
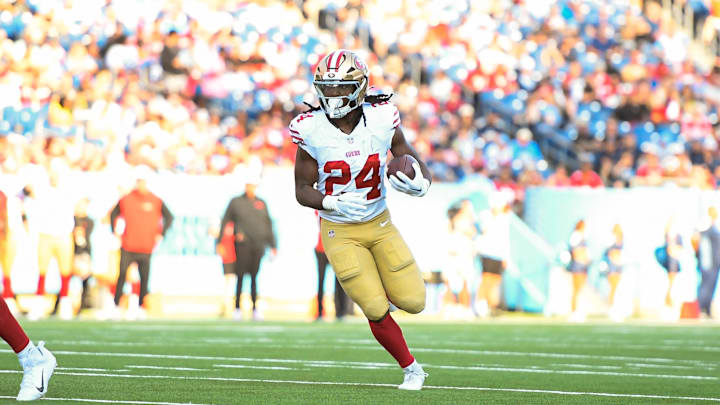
390, 336
7, 288
136, 288
10, 330
41, 285
64, 285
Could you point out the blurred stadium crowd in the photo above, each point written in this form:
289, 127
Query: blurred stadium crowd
490, 87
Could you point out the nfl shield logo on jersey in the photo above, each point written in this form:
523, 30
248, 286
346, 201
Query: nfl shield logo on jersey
331, 233
350, 140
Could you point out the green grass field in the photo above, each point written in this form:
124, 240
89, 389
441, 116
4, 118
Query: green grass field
509, 362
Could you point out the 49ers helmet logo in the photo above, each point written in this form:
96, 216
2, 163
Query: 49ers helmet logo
360, 65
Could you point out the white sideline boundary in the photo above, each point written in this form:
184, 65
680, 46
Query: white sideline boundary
439, 387
109, 401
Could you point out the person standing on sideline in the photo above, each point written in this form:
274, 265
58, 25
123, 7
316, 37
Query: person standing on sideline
253, 234
614, 261
7, 250
708, 252
226, 251
147, 219
53, 212
579, 263
494, 248
343, 305
82, 263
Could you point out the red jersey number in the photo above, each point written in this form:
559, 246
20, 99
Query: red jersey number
371, 169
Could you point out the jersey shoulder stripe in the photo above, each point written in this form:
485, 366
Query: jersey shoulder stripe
301, 130
302, 126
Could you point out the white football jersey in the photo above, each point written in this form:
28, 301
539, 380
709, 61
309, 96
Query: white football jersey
352, 162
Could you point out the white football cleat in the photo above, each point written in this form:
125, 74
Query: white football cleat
414, 377
237, 314
38, 367
65, 309
257, 315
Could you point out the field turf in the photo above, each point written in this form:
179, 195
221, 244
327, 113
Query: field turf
507, 362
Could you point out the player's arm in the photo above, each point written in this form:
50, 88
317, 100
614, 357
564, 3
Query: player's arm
400, 146
306, 175
351, 205
417, 186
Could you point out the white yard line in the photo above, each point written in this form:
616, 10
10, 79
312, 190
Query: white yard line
523, 390
109, 401
559, 355
590, 366
644, 365
257, 367
169, 368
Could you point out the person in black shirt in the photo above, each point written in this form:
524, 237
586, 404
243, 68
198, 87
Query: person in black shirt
81, 239
253, 234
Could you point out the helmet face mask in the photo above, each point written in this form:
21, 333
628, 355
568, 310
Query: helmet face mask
339, 98
341, 83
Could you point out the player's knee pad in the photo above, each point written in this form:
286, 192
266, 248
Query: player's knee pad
411, 301
375, 308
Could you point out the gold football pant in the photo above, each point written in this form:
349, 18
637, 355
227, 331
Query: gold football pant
373, 264
61, 248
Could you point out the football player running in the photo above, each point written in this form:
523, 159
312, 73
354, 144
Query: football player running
340, 163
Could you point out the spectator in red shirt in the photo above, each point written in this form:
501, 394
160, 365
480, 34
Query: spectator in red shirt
585, 176
559, 178
147, 219
650, 171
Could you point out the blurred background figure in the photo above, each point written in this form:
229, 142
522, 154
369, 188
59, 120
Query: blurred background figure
7, 249
585, 176
343, 303
669, 257
460, 271
579, 263
82, 261
322, 264
493, 245
226, 250
52, 215
146, 220
708, 254
614, 260
254, 233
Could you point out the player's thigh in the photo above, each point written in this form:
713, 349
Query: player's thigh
355, 269
399, 272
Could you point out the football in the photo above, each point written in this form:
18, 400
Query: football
402, 164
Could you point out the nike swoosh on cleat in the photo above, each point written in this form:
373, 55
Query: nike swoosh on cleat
42, 381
